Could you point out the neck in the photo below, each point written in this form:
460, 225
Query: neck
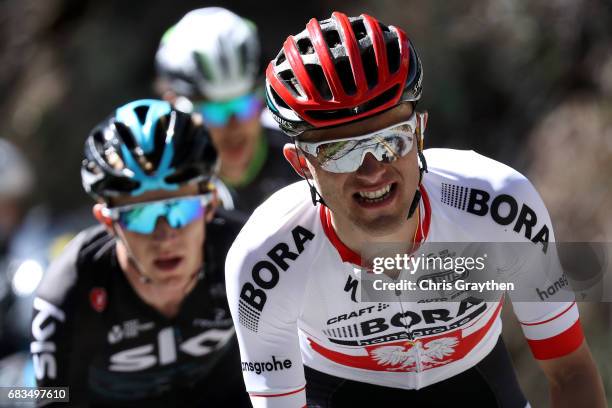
232, 174
362, 242
237, 175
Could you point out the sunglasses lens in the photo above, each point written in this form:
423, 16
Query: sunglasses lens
143, 218
218, 114
183, 212
215, 114
347, 155
247, 107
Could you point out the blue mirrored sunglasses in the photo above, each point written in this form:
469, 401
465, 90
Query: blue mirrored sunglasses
142, 217
218, 114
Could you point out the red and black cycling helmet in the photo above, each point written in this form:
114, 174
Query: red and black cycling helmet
340, 70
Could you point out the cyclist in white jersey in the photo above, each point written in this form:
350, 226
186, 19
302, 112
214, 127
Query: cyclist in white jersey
345, 89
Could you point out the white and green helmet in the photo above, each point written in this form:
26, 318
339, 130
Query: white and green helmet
211, 53
16, 173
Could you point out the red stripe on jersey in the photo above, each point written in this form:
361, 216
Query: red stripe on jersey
277, 395
499, 306
423, 228
347, 254
552, 318
558, 346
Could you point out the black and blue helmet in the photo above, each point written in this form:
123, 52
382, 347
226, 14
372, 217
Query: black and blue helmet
146, 145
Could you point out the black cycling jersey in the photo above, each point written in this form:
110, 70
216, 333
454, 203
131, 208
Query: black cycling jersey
490, 383
273, 173
94, 334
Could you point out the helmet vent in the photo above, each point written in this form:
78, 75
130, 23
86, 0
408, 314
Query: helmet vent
359, 29
370, 105
305, 46
330, 114
332, 38
393, 55
141, 113
281, 58
384, 28
290, 81
243, 55
279, 101
380, 100
125, 134
343, 67
203, 68
368, 59
318, 78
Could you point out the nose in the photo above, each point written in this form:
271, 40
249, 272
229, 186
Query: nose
371, 169
163, 231
233, 122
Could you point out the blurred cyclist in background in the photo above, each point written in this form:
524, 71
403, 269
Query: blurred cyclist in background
209, 63
16, 182
30, 236
134, 312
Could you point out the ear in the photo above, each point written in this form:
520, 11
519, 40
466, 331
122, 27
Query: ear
297, 160
212, 207
102, 219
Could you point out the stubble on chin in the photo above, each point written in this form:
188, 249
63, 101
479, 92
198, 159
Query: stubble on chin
379, 226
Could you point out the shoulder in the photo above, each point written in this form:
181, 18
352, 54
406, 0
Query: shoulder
466, 168
283, 210
471, 167
88, 248
284, 225
226, 224
267, 264
465, 182
221, 233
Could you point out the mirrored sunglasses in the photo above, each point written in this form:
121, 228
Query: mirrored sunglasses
346, 155
142, 217
218, 114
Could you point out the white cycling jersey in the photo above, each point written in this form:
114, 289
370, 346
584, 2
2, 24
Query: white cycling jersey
293, 288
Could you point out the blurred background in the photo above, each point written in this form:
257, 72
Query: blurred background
526, 82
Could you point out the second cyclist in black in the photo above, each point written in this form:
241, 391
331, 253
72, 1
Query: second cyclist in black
134, 312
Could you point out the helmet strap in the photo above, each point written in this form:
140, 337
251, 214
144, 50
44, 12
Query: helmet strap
313, 190
131, 257
422, 169
313, 195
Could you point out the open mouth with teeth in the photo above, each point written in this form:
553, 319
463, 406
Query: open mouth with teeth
374, 198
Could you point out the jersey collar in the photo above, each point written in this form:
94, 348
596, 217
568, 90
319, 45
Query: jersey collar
348, 255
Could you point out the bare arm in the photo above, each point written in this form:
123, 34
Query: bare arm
574, 380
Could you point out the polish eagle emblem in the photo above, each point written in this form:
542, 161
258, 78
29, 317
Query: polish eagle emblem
403, 357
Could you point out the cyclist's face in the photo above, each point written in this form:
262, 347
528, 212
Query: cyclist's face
167, 255
344, 192
236, 141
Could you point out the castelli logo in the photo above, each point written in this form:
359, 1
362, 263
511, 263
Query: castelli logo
98, 299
